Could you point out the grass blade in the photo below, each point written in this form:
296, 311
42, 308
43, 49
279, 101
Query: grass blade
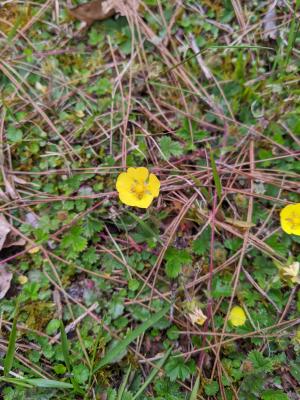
124, 383
216, 175
38, 382
65, 346
65, 350
49, 383
15, 381
195, 389
9, 358
153, 373
121, 346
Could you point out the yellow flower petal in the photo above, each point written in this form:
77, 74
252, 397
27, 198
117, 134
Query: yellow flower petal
290, 219
139, 174
124, 182
130, 199
34, 250
237, 316
153, 185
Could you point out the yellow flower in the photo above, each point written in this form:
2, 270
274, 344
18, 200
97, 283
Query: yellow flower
137, 187
34, 250
197, 316
292, 272
290, 219
22, 279
237, 316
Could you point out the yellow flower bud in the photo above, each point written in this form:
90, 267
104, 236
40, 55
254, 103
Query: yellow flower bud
237, 316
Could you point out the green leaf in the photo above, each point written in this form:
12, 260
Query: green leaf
211, 388
59, 369
178, 368
170, 148
295, 370
201, 245
173, 269
220, 289
14, 135
48, 383
90, 256
53, 326
74, 239
15, 381
259, 362
65, 346
9, 358
122, 345
195, 389
133, 284
173, 333
122, 389
81, 373
233, 244
271, 394
112, 394
92, 226
37, 382
66, 355
175, 259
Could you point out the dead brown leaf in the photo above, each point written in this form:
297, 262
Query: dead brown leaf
7, 237
4, 230
95, 10
5, 279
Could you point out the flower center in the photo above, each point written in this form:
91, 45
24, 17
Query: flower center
139, 190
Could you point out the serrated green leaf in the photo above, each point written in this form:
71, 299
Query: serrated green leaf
112, 394
81, 373
260, 363
202, 244
170, 148
173, 268
175, 259
74, 240
211, 388
178, 368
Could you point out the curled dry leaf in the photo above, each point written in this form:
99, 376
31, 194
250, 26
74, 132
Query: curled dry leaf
5, 279
98, 10
270, 27
4, 230
8, 238
95, 10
